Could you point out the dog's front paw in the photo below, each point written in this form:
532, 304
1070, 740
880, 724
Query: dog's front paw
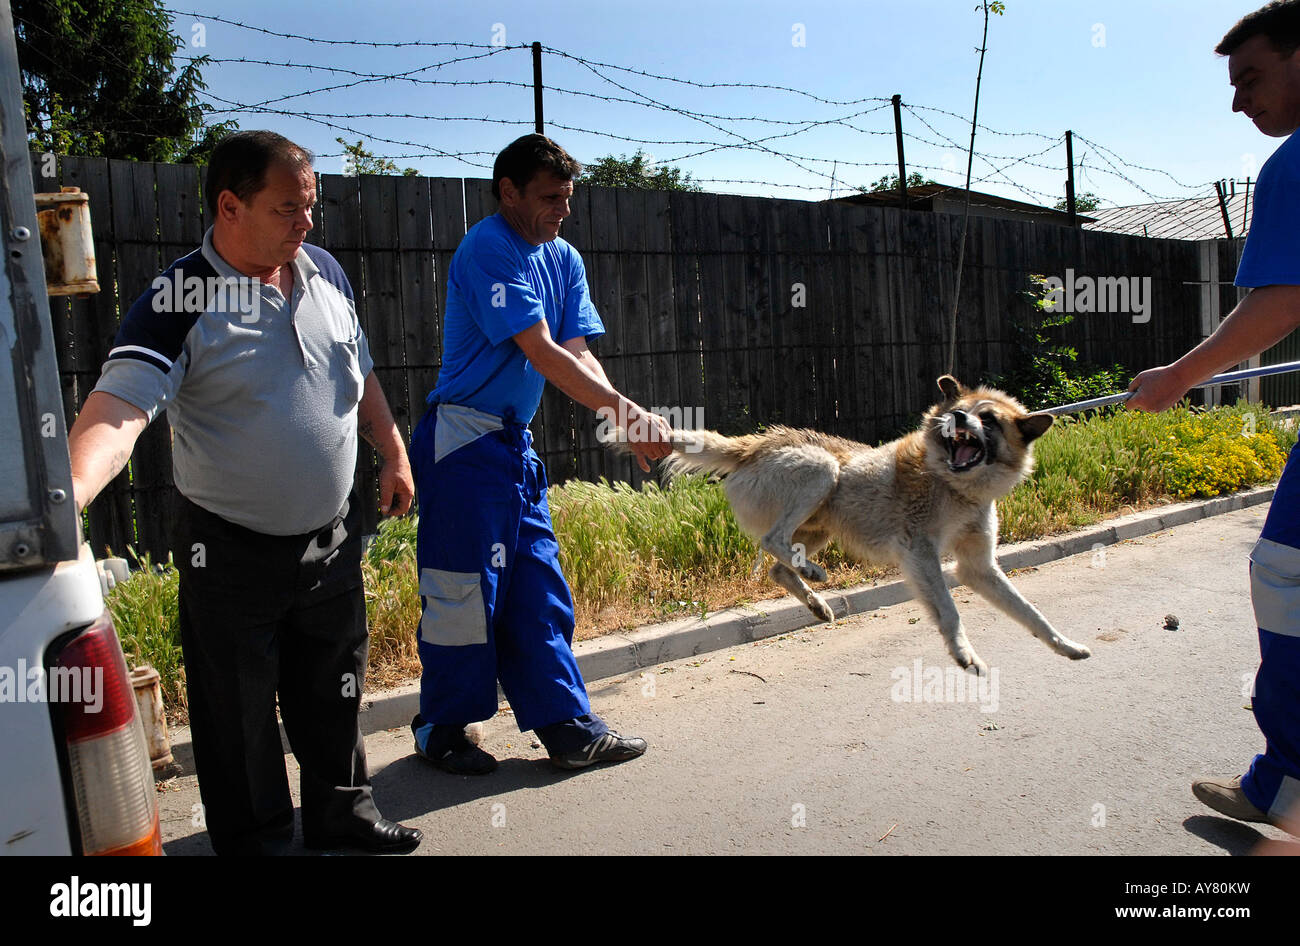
1068, 648
967, 659
818, 606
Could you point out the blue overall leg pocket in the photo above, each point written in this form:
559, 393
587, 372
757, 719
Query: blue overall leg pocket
467, 516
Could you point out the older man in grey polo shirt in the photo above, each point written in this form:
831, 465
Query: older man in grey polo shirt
252, 346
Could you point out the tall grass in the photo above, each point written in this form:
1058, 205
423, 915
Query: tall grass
392, 603
618, 543
147, 619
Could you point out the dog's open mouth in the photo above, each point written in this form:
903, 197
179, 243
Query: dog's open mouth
965, 450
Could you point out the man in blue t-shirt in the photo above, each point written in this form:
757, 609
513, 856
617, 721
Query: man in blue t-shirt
495, 602
1263, 52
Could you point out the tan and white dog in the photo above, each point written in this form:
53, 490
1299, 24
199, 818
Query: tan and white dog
906, 503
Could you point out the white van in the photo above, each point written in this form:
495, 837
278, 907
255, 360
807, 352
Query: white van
75, 777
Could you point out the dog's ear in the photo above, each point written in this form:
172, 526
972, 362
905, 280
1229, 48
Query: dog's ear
1034, 426
950, 387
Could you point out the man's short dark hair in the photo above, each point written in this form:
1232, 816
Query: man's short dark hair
524, 157
240, 160
1279, 21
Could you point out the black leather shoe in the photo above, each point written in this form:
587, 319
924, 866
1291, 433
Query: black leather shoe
379, 837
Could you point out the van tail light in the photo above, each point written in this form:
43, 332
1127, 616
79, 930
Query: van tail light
108, 770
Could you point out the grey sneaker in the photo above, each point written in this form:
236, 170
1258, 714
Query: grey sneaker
610, 747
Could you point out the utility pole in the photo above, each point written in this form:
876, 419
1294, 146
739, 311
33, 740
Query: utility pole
537, 88
1069, 180
1245, 209
898, 135
1223, 204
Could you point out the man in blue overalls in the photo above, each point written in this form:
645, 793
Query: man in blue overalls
1264, 67
495, 603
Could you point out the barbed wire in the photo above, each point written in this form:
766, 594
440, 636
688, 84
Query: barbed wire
725, 125
988, 159
381, 78
713, 145
647, 101
808, 126
1115, 172
1054, 142
712, 85
711, 124
983, 127
410, 76
429, 150
1103, 150
280, 34
317, 67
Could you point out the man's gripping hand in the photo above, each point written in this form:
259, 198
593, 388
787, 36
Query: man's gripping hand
1157, 389
649, 437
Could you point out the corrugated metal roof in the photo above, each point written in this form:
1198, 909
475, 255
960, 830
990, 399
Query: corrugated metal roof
1199, 218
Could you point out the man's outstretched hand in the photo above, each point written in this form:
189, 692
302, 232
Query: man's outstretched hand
1157, 389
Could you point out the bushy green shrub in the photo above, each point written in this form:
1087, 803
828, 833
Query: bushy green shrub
1044, 372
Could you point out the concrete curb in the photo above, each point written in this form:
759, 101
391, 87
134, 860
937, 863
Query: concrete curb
616, 654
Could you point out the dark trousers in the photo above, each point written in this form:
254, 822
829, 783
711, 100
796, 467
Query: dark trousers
262, 616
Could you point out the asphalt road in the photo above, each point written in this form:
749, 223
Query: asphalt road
864, 738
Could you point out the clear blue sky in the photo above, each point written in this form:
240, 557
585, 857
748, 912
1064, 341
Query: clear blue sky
1137, 77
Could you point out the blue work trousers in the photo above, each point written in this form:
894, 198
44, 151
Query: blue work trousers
1273, 782
495, 604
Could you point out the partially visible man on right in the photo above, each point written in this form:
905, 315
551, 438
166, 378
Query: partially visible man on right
1263, 52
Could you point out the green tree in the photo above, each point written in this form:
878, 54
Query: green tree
1083, 203
99, 80
637, 171
890, 183
357, 160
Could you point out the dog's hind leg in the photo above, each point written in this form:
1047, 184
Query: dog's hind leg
978, 570
804, 496
787, 578
921, 568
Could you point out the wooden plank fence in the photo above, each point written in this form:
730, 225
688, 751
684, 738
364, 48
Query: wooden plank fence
738, 312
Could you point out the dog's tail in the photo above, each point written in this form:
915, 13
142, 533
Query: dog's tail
705, 451
697, 451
